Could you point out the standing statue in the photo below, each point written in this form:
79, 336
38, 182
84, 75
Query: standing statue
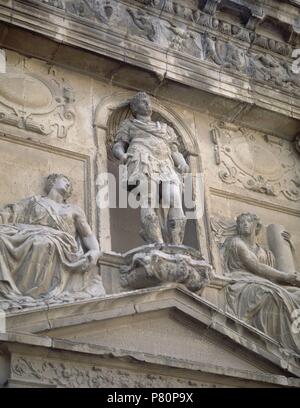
258, 293
150, 152
46, 249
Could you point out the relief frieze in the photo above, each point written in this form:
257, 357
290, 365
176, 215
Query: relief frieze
198, 33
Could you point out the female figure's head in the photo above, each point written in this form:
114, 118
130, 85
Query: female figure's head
141, 104
60, 183
248, 224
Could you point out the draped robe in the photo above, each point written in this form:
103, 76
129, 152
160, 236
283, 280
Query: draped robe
263, 304
41, 256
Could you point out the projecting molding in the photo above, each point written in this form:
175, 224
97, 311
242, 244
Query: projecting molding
189, 329
214, 55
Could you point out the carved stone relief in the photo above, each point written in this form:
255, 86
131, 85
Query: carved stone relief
264, 287
224, 44
207, 18
74, 375
155, 265
48, 251
180, 38
37, 105
257, 162
149, 150
55, 3
144, 23
102, 10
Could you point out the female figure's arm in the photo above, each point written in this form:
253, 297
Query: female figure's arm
5, 215
88, 238
252, 264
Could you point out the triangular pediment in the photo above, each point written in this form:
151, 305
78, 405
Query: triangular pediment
167, 322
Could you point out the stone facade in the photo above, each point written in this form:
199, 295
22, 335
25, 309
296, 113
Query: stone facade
160, 300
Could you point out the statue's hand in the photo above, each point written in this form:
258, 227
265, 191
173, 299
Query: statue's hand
297, 279
92, 256
4, 216
124, 158
293, 279
184, 168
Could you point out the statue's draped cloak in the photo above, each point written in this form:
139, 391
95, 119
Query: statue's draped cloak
40, 255
263, 304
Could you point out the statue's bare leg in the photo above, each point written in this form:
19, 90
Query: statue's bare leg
176, 218
151, 228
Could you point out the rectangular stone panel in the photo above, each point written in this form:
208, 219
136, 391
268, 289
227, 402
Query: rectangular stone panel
25, 165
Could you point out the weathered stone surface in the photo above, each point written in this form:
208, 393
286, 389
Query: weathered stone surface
41, 261
154, 163
269, 71
89, 337
156, 264
259, 162
49, 106
72, 68
257, 292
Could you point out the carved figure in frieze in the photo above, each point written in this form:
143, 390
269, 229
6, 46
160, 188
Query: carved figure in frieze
78, 8
183, 11
47, 249
54, 3
182, 35
144, 23
151, 3
233, 56
210, 51
258, 292
150, 152
103, 9
266, 68
168, 6
241, 33
205, 20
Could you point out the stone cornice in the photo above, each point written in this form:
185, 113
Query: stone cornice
207, 18
172, 296
197, 56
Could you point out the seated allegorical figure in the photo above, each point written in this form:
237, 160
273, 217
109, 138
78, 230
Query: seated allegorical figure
258, 293
47, 249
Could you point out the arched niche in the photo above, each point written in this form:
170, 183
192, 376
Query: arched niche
119, 228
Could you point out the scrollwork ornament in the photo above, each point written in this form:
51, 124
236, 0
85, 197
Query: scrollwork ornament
242, 154
228, 174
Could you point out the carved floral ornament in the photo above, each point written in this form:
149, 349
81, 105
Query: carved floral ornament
198, 33
43, 106
261, 163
